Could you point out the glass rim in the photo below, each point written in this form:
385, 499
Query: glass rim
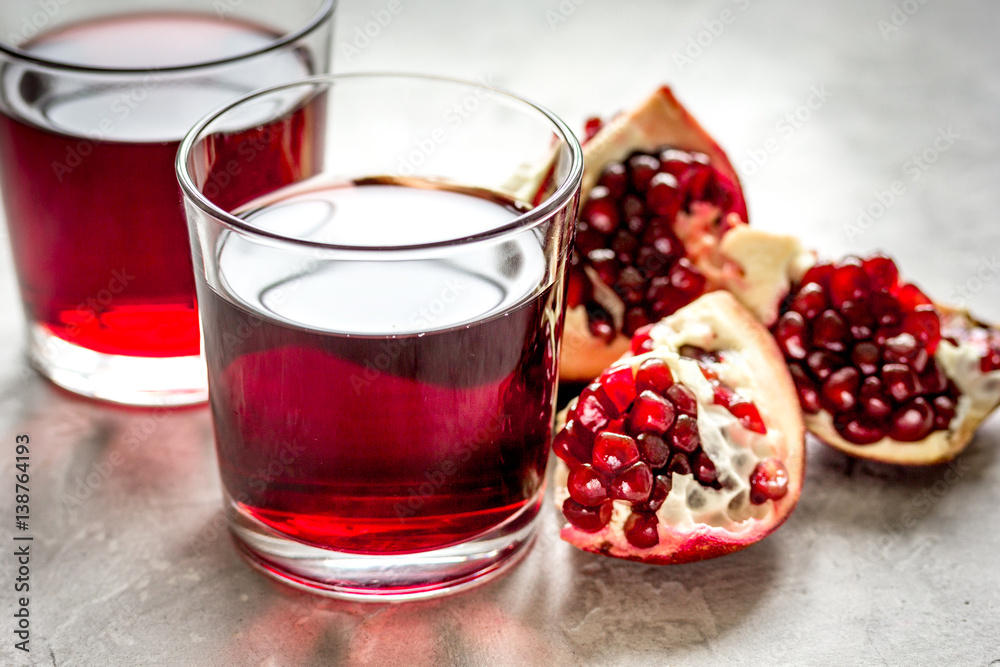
527, 220
324, 12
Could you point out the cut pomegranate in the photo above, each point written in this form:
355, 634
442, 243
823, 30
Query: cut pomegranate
707, 456
881, 371
658, 194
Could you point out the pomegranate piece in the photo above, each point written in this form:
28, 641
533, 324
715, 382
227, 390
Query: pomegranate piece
650, 454
880, 370
871, 351
658, 194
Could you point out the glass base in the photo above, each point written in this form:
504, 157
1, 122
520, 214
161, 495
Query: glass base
139, 381
386, 578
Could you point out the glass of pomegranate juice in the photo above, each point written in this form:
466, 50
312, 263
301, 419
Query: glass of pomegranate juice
382, 333
95, 97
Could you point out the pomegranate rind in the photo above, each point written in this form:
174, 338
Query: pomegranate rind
766, 267
661, 120
715, 321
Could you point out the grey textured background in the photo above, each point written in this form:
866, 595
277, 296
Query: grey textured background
878, 565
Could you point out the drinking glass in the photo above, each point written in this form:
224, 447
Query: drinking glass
95, 97
382, 335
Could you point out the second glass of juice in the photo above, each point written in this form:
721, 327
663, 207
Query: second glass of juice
383, 337
94, 100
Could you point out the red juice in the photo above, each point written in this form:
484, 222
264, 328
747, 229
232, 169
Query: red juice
93, 208
382, 407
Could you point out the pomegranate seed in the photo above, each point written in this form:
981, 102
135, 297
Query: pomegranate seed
590, 413
663, 197
679, 464
685, 436
614, 452
589, 519
640, 338
910, 297
886, 309
990, 361
591, 127
830, 331
860, 432
573, 444
641, 170
808, 395
709, 374
823, 363
768, 481
683, 399
605, 263
634, 485
686, 278
901, 381
675, 162
616, 426
618, 388
882, 272
912, 422
635, 319
625, 246
723, 395
586, 486
651, 413
666, 244
904, 349
600, 211
654, 375
849, 282
925, 325
587, 239
944, 412
933, 380
704, 470
614, 179
810, 301
819, 274
790, 332
661, 489
653, 450
698, 178
865, 356
600, 324
640, 530
874, 402
748, 415
841, 388
634, 206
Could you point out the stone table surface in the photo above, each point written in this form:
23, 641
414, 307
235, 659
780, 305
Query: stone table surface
860, 124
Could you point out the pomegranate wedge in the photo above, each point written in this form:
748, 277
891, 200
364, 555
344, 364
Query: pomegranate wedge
658, 194
882, 371
692, 448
